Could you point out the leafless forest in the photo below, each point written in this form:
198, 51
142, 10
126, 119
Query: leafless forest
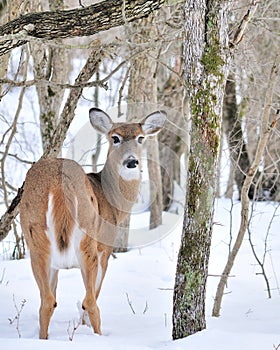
213, 66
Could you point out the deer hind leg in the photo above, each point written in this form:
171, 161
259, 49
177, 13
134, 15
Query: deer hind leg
42, 276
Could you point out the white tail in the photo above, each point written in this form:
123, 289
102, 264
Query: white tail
70, 218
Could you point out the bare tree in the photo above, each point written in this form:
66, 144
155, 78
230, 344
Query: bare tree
253, 58
174, 137
266, 128
232, 127
143, 90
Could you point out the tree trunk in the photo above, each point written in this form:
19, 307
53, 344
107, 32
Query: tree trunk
51, 64
143, 89
233, 131
142, 98
206, 69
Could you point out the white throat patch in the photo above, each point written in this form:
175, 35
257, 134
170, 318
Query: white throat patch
129, 174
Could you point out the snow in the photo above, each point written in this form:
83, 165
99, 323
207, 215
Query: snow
144, 277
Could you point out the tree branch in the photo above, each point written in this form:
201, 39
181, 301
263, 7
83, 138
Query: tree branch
238, 35
73, 23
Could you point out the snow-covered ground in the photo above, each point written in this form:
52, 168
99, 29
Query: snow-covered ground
145, 277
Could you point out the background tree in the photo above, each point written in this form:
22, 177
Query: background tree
232, 127
143, 91
249, 70
174, 138
51, 63
206, 68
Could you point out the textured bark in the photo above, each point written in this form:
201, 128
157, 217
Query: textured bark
5, 59
206, 69
54, 147
74, 23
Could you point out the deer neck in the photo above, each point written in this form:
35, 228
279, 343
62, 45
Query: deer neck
120, 193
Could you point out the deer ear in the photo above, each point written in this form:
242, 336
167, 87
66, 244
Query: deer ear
153, 123
100, 120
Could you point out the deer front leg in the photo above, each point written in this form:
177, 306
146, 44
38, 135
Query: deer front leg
48, 305
90, 306
89, 303
89, 270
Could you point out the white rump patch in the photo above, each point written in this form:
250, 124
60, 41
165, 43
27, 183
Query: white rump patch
71, 256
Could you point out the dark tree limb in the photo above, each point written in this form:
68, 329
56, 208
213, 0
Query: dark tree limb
73, 23
66, 118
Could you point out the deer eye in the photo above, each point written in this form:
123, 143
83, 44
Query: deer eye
140, 139
116, 139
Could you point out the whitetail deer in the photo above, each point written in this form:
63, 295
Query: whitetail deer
70, 218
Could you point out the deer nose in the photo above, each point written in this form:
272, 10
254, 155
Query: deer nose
131, 162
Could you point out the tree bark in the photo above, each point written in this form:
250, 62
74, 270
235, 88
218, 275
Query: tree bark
59, 134
206, 69
73, 23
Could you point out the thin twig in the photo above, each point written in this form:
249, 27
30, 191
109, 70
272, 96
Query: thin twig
238, 35
126, 76
146, 308
261, 263
3, 275
17, 316
130, 304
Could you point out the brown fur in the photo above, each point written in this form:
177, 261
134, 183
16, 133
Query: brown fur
63, 216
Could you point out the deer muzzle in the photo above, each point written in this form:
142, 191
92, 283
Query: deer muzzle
131, 162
